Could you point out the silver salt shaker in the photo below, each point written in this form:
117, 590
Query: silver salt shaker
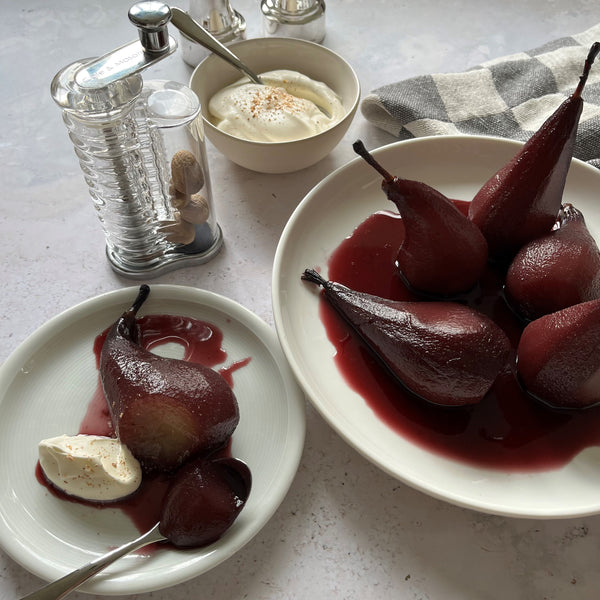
220, 19
304, 19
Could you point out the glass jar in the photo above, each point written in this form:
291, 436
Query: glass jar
127, 136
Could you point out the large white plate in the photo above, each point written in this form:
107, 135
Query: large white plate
457, 166
45, 386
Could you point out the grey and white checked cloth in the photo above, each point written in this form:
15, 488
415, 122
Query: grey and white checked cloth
507, 97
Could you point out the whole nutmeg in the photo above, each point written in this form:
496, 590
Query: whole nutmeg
186, 172
178, 232
178, 199
196, 211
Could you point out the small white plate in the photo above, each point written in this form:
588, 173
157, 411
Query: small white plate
457, 166
45, 387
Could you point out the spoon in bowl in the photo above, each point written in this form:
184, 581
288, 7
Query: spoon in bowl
190, 28
65, 585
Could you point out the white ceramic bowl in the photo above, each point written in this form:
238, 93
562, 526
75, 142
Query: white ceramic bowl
265, 54
457, 166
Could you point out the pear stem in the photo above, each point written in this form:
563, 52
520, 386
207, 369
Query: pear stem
126, 324
141, 298
589, 61
568, 214
312, 276
360, 149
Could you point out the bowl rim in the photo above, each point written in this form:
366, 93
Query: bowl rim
349, 113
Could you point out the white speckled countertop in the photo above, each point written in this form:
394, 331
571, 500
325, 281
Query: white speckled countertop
346, 529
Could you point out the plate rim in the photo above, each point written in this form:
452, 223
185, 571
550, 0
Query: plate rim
461, 500
294, 447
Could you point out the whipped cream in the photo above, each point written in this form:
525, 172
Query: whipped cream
290, 106
90, 467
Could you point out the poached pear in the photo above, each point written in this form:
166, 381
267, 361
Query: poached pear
443, 253
204, 499
558, 357
556, 270
444, 352
521, 201
164, 410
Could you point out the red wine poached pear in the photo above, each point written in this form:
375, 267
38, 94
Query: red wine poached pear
445, 352
165, 410
556, 270
520, 202
442, 253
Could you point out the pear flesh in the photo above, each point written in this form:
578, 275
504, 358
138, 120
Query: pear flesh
164, 410
443, 352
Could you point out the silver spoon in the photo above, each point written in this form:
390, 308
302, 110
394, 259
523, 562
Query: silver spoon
197, 33
65, 585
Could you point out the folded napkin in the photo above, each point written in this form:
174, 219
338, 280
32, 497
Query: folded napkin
506, 97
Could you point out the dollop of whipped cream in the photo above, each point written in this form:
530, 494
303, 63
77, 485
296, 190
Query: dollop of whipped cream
90, 467
290, 106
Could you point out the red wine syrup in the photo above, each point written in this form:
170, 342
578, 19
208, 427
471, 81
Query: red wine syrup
507, 430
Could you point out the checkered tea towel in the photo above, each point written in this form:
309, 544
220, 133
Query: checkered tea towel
507, 97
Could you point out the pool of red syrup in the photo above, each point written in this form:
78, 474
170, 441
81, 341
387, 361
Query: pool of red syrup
507, 430
202, 343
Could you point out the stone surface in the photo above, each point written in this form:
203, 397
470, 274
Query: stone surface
346, 529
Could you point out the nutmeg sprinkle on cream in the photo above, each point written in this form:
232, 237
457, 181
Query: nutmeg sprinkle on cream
290, 106
90, 467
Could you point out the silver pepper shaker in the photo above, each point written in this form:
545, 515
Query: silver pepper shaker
304, 19
220, 19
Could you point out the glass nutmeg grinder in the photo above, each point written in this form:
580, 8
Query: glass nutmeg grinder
141, 148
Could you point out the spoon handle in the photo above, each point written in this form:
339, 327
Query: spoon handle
197, 33
63, 586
